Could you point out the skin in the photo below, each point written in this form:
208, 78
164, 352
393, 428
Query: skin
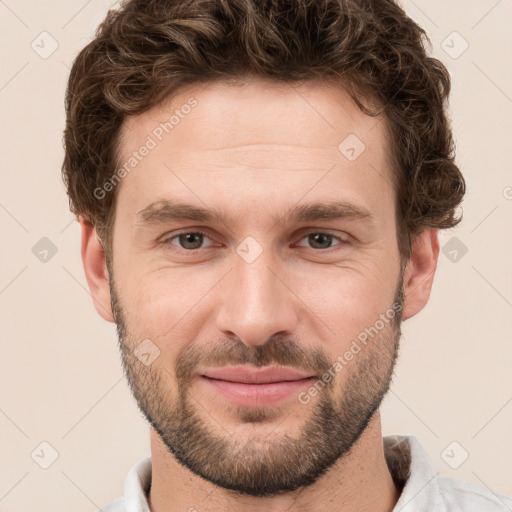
255, 151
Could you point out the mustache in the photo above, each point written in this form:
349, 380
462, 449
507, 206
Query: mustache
277, 350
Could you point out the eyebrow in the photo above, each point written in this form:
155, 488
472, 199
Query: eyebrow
163, 211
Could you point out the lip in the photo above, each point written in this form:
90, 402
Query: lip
249, 375
261, 387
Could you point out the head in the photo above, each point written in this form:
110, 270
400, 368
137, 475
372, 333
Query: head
260, 183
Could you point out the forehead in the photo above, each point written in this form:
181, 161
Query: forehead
258, 139
310, 114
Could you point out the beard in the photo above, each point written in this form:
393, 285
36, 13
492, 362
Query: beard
261, 464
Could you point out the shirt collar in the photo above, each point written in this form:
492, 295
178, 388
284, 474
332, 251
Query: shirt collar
136, 487
411, 467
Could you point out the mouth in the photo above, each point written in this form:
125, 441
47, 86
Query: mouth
256, 388
254, 375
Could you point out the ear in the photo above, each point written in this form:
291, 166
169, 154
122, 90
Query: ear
419, 273
96, 272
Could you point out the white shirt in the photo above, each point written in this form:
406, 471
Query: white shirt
423, 490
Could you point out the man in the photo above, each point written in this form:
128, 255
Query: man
260, 187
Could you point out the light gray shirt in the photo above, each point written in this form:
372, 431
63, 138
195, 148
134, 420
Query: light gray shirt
423, 490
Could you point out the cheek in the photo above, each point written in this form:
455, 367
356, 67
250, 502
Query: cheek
348, 298
160, 304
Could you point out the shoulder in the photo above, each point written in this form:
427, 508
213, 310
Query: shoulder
468, 497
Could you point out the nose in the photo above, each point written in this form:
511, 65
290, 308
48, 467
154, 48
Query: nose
257, 302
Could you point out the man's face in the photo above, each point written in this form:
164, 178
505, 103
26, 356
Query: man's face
262, 287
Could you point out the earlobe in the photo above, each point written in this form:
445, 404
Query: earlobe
95, 267
420, 271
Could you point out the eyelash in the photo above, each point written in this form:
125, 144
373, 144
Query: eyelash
168, 240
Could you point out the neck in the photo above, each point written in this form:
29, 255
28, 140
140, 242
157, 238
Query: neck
358, 481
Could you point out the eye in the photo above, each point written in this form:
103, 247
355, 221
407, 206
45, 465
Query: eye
322, 240
188, 240
193, 240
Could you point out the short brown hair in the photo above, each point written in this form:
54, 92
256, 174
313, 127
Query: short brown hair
146, 49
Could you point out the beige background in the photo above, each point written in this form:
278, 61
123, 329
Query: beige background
60, 373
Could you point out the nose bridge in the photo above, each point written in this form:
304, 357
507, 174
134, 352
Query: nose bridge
256, 303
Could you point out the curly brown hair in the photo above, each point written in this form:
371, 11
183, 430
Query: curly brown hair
146, 49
